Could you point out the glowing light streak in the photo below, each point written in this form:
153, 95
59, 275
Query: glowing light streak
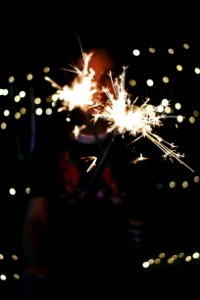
93, 164
138, 159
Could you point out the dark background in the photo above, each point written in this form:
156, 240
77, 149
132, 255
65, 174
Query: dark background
34, 38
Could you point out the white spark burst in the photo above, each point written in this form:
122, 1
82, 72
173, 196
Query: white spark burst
124, 115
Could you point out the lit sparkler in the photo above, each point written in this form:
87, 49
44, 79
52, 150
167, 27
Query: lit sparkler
81, 92
123, 115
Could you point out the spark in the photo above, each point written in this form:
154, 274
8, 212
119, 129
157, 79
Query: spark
80, 93
140, 158
93, 164
124, 115
76, 131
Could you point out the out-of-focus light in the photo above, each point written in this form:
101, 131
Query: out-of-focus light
17, 115
196, 113
197, 70
172, 184
188, 258
178, 105
157, 261
186, 46
39, 111
14, 257
17, 98
196, 179
29, 77
23, 110
171, 51
46, 69
152, 50
11, 79
162, 255
3, 126
3, 92
16, 276
27, 190
180, 119
195, 255
165, 79
136, 52
22, 94
191, 120
160, 108
48, 99
170, 261
185, 184
168, 109
179, 68
48, 111
174, 256
3, 277
145, 265
6, 113
12, 191
151, 261
132, 82
181, 255
150, 82
165, 102
37, 100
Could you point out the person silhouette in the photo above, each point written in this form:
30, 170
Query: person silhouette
75, 228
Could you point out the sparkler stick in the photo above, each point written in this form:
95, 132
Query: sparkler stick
82, 93
101, 161
85, 194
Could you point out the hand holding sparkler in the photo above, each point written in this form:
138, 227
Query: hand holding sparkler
118, 111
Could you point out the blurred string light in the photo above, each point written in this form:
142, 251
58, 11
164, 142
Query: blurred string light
6, 272
133, 82
164, 259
